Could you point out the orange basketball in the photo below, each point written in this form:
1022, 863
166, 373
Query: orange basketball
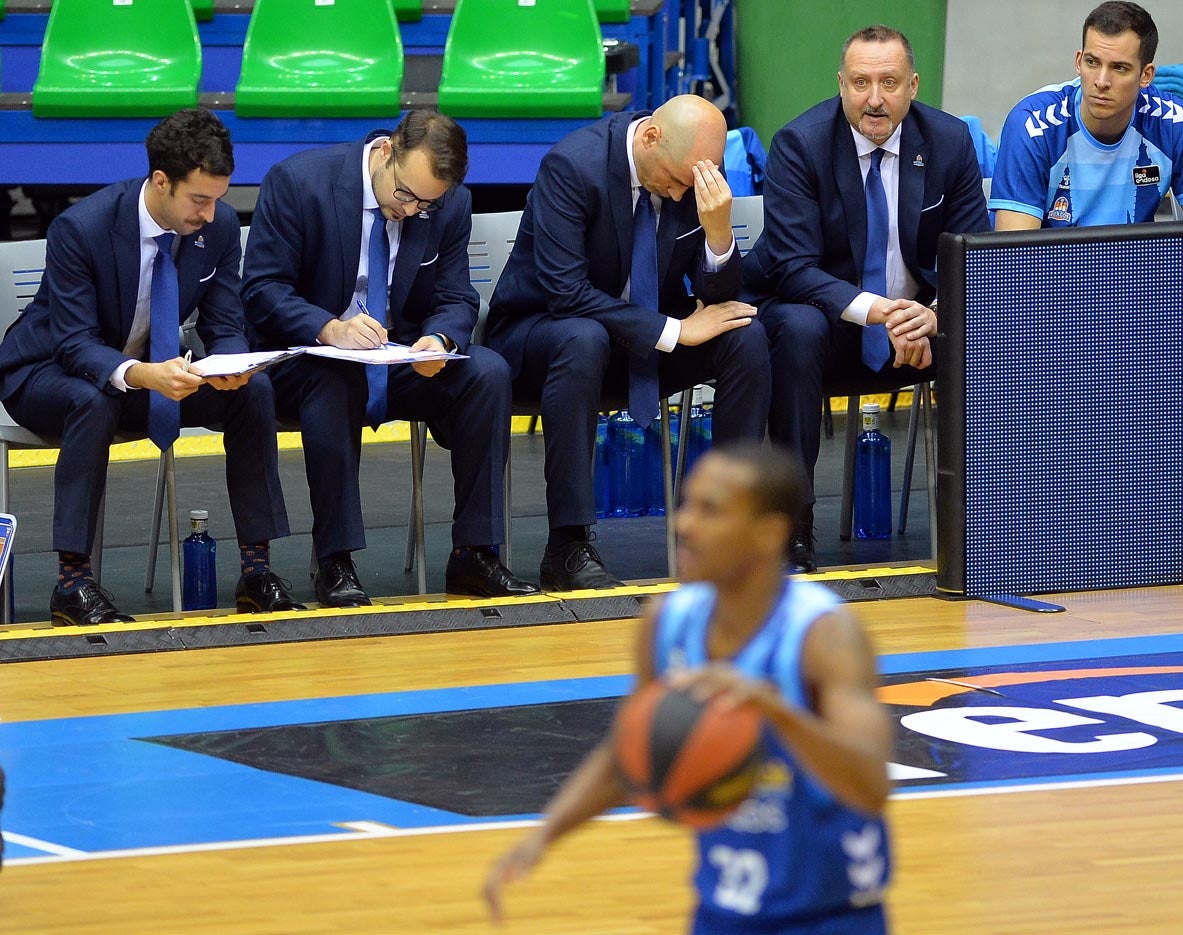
688, 761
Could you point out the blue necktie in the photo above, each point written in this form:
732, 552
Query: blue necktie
876, 344
642, 372
377, 291
164, 414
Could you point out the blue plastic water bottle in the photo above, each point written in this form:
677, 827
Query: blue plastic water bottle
200, 586
872, 479
601, 467
698, 434
626, 464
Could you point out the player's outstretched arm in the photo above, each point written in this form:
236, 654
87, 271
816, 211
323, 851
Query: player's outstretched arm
594, 787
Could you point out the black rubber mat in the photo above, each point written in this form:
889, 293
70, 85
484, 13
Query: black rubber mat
239, 630
483, 762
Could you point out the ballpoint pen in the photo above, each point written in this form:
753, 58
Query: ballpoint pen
188, 359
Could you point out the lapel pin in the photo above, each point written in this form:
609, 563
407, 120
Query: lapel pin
199, 242
918, 161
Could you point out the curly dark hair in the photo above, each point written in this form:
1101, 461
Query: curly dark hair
190, 139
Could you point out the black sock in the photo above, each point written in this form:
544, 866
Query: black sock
73, 569
255, 559
565, 535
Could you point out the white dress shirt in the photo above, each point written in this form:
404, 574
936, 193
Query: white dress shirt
673, 326
900, 284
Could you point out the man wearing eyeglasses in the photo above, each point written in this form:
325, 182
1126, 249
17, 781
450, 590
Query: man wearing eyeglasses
351, 246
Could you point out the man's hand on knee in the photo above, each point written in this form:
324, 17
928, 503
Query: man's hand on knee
710, 321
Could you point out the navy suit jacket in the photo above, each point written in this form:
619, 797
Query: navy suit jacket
305, 244
815, 209
573, 252
82, 313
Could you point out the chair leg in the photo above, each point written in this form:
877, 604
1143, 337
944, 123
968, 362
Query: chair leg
852, 427
931, 464
418, 450
174, 535
683, 427
667, 482
6, 590
96, 550
827, 417
419, 444
507, 507
533, 426
910, 460
154, 535
895, 398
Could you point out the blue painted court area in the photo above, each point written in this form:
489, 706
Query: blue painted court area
971, 721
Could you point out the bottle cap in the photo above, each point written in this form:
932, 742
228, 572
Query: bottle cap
871, 407
199, 514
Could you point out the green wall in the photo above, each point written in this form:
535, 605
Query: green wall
787, 52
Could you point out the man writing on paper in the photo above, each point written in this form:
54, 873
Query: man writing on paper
349, 244
123, 268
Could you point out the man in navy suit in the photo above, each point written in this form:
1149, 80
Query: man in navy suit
570, 319
321, 214
833, 306
74, 362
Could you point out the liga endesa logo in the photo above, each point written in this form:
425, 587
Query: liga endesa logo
1039, 722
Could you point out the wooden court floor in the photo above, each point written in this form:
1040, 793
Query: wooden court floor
1104, 859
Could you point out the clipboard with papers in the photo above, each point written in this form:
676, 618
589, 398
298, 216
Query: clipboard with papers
233, 365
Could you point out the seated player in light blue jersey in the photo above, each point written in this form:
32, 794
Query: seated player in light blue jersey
807, 852
1101, 149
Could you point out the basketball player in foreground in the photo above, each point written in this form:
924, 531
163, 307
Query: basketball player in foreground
807, 852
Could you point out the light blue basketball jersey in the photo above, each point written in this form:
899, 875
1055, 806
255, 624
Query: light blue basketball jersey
1050, 167
792, 855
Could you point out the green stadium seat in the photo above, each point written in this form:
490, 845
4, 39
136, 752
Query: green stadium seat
203, 10
408, 11
106, 59
517, 58
304, 58
613, 11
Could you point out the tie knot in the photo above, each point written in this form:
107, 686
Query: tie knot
165, 241
876, 157
378, 215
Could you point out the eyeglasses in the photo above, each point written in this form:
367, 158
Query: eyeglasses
406, 196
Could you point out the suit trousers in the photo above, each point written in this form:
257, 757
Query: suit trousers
809, 350
87, 417
466, 406
571, 368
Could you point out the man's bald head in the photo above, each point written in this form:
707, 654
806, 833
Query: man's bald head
693, 127
683, 131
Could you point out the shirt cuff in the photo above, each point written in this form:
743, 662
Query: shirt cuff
714, 262
669, 335
858, 310
118, 376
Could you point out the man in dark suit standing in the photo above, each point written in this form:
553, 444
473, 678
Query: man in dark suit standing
856, 193
352, 244
123, 268
593, 302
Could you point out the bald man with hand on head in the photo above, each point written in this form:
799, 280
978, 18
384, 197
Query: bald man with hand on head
593, 303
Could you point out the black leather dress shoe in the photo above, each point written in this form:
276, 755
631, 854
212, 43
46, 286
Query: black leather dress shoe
337, 585
83, 606
576, 566
263, 593
802, 558
481, 574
